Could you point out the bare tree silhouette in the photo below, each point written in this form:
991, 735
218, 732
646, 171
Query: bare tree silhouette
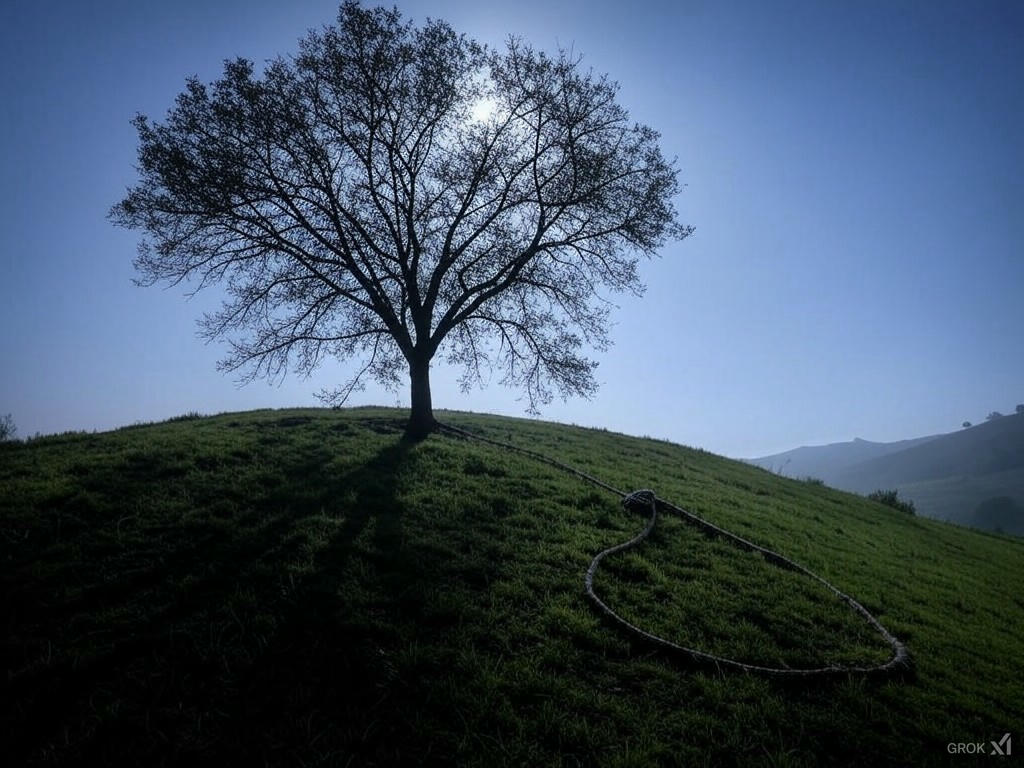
394, 192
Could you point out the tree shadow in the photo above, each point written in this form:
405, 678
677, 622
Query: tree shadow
254, 689
326, 676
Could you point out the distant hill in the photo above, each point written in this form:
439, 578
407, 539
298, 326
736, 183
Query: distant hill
830, 462
995, 446
956, 476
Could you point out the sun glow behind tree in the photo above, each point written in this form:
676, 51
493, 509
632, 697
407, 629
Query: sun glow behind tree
394, 193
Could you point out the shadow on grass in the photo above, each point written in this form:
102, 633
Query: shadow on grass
199, 673
328, 654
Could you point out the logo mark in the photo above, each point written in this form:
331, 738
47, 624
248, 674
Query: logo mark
1001, 747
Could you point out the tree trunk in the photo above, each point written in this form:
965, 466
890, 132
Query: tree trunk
421, 419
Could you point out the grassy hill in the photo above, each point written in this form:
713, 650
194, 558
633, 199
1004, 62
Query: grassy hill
984, 449
962, 499
973, 477
305, 588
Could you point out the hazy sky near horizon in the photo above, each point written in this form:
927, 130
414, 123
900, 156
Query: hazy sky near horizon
854, 173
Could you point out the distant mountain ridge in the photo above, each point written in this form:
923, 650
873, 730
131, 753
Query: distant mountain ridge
995, 446
829, 462
954, 476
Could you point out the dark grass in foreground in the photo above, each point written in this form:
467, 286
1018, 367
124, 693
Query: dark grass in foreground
303, 587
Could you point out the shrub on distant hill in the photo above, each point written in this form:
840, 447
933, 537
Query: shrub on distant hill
892, 499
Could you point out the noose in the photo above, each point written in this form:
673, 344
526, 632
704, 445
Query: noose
899, 660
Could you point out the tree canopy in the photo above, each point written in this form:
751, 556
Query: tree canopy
391, 193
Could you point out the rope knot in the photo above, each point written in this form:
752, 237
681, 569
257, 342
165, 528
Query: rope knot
641, 499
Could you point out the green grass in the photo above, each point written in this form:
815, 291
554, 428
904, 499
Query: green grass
956, 498
305, 588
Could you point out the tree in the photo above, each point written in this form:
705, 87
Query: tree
966, 424
8, 431
1020, 408
993, 416
393, 193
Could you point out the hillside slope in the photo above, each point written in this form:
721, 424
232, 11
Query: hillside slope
303, 587
973, 477
995, 446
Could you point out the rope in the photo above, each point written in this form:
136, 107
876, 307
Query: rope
898, 662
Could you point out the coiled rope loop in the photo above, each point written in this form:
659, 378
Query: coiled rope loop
899, 660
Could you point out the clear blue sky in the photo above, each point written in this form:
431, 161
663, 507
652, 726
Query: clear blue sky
854, 173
